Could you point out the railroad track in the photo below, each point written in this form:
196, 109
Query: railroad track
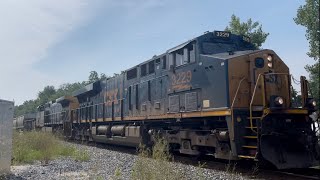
247, 168
251, 169
310, 173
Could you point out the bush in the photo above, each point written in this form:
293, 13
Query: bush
32, 146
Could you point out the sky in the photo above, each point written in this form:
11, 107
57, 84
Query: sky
54, 42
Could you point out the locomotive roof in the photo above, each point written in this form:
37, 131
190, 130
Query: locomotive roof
91, 88
180, 46
226, 55
5, 101
64, 99
27, 116
87, 89
232, 38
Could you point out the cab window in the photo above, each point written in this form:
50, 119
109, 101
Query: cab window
131, 74
143, 70
183, 56
151, 67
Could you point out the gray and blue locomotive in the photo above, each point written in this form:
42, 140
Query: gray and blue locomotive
214, 94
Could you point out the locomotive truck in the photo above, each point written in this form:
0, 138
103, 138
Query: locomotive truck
214, 94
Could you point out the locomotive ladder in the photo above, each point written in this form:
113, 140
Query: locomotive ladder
251, 136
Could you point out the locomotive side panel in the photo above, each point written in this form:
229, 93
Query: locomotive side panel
158, 90
109, 99
130, 82
213, 80
239, 73
100, 105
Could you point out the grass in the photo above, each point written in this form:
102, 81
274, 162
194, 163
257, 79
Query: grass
81, 156
200, 171
117, 174
41, 146
156, 164
157, 167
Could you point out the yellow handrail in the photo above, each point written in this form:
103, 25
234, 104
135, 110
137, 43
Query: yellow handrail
234, 99
254, 93
263, 94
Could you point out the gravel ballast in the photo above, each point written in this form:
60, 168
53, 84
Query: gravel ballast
105, 164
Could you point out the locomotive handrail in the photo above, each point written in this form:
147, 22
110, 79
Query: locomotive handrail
263, 94
234, 99
254, 93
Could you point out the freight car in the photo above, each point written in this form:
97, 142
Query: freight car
214, 94
25, 122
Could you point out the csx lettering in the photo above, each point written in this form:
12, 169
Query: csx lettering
272, 79
111, 96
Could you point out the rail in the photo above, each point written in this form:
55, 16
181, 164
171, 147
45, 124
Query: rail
262, 76
251, 102
232, 105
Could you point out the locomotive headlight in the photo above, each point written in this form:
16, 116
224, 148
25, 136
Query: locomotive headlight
269, 58
312, 102
278, 100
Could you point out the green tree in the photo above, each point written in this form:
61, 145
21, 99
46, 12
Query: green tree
103, 76
93, 77
314, 80
50, 93
249, 28
45, 95
27, 107
296, 99
308, 16
66, 89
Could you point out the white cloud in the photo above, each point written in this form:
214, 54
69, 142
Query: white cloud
28, 29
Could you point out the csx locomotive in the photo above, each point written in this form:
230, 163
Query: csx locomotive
215, 94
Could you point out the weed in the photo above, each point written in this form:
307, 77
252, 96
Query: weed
81, 155
157, 167
117, 174
42, 146
255, 170
200, 171
231, 170
99, 177
30, 146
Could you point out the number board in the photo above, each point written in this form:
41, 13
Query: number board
222, 34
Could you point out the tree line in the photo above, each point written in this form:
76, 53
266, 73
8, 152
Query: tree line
50, 93
308, 16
